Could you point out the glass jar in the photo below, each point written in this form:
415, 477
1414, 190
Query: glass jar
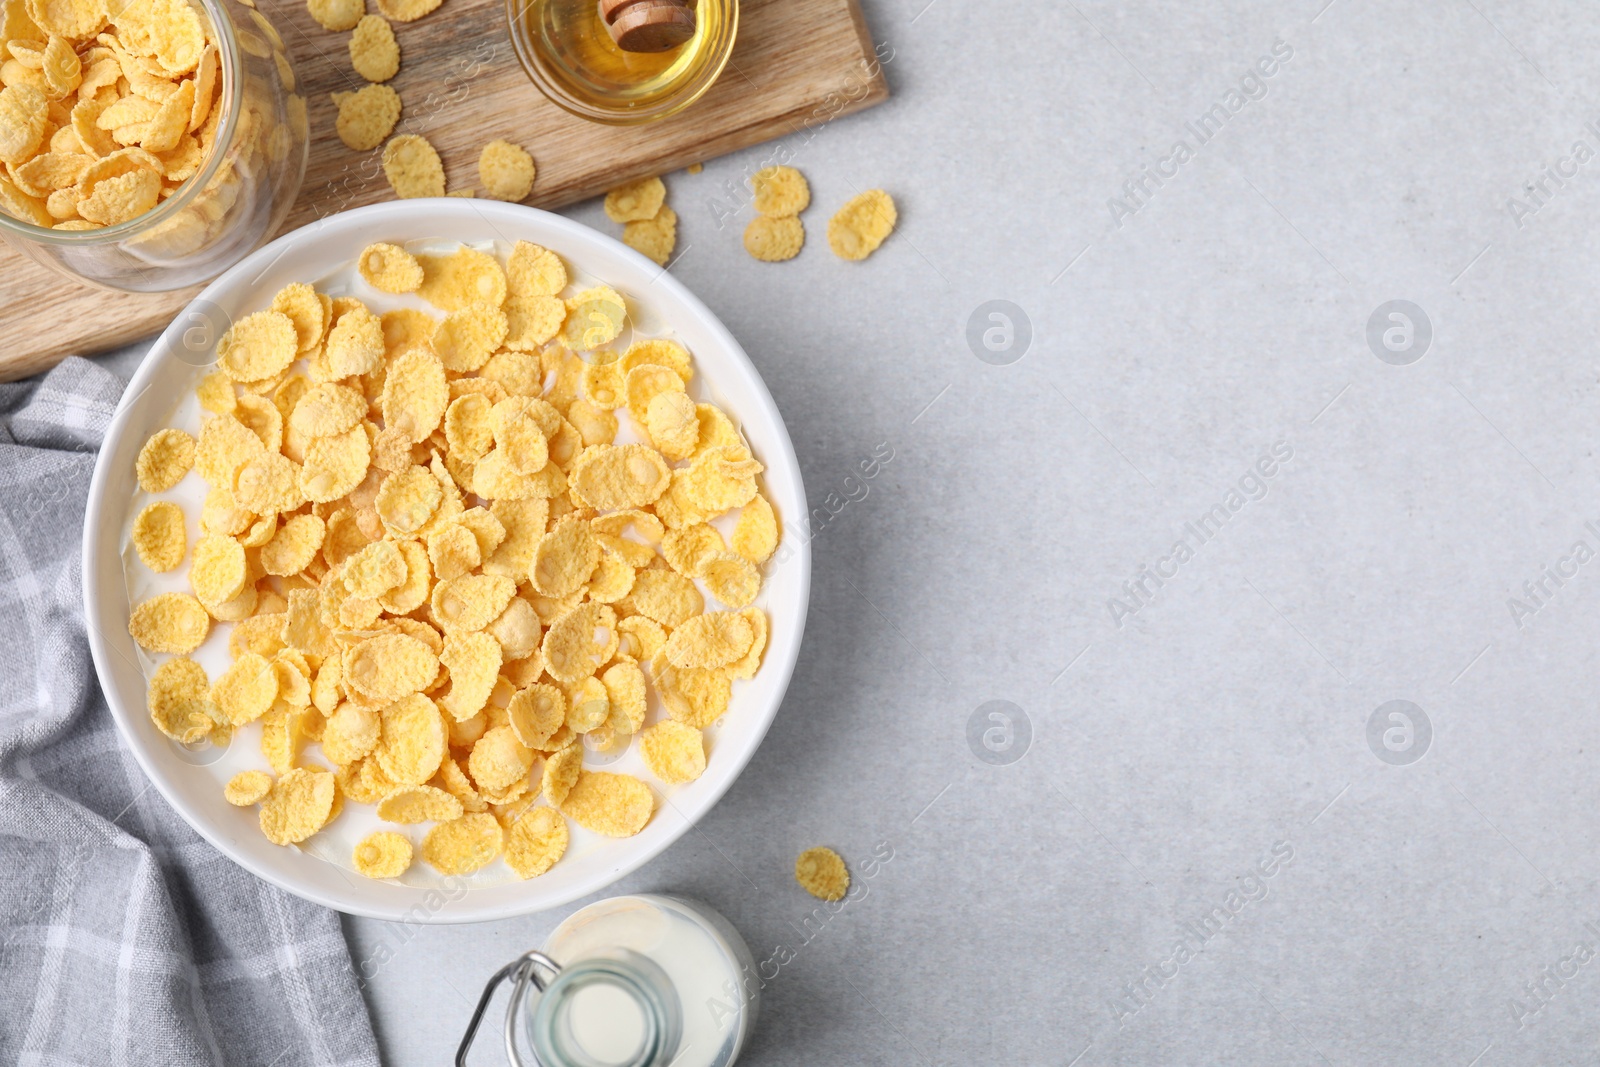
637, 981
232, 205
566, 50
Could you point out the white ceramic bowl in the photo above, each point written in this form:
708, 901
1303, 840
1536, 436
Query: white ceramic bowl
162, 391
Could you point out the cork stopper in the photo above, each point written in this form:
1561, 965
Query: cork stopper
648, 25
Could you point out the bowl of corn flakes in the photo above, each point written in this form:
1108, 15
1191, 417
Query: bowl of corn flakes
440, 561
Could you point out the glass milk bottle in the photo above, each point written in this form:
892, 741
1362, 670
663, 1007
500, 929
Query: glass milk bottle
635, 981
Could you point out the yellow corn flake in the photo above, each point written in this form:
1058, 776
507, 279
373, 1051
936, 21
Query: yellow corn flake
268, 484
24, 114
688, 548
473, 660
171, 120
247, 788
654, 238
780, 191
326, 409
564, 559
532, 270
299, 804
159, 537
407, 10
351, 733
337, 15
126, 196
588, 706
463, 845
258, 346
822, 873
532, 320
411, 164
411, 740
620, 476
641, 199
536, 713
246, 689
355, 344
535, 842
465, 339
366, 116
595, 317
179, 701
747, 665
643, 384
415, 394
384, 854
471, 602
219, 570
615, 805
499, 760
755, 536
714, 639
261, 417
731, 578
407, 500
862, 225
225, 445
774, 240
391, 269
506, 171
721, 479
170, 623
462, 278
611, 581
625, 695
51, 171
672, 423
300, 303
665, 596
641, 637
561, 772
293, 546
412, 591
419, 803
374, 53
335, 465
675, 753
389, 667
693, 696
579, 642
517, 629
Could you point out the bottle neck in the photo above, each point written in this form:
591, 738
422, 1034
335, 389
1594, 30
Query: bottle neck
614, 1010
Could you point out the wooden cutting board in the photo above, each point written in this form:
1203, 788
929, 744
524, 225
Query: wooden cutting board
797, 63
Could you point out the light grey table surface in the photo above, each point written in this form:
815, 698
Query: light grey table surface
1434, 896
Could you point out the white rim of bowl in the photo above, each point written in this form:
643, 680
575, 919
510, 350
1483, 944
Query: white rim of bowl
350, 223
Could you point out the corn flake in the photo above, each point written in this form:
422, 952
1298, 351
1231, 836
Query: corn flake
461, 278
535, 842
258, 346
473, 660
774, 240
411, 164
383, 854
615, 805
159, 537
822, 873
780, 191
389, 667
179, 701
654, 238
351, 732
390, 268
299, 804
675, 753
561, 772
246, 689
862, 225
247, 788
411, 740
636, 201
506, 171
712, 640
367, 116
419, 803
374, 52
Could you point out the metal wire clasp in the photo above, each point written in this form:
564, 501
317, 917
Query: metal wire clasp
521, 972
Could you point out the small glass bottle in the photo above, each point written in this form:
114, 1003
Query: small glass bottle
638, 981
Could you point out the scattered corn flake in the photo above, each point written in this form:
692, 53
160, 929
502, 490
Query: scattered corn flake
533, 320
299, 804
747, 665
407, 10
179, 700
535, 842
595, 317
415, 394
390, 268
411, 740
374, 53
337, 15
499, 759
412, 165
579, 642
419, 803
859, 227
675, 753
822, 873
625, 693
383, 854
638, 200
532, 270
351, 732
164, 461
246, 689
247, 788
471, 602
367, 116
506, 171
731, 578
773, 240
693, 696
620, 476
219, 569
564, 559
389, 667
780, 191
641, 637
267, 484
673, 424
355, 344
463, 845
461, 278
588, 706
615, 805
258, 346
413, 590
755, 535
517, 629
466, 338
561, 770
159, 537
714, 639
687, 548
536, 713
665, 596
654, 238
335, 465
300, 303
473, 660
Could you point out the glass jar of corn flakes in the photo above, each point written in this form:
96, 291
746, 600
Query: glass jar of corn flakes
226, 181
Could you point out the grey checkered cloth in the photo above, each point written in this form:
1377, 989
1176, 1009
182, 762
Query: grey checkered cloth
126, 938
